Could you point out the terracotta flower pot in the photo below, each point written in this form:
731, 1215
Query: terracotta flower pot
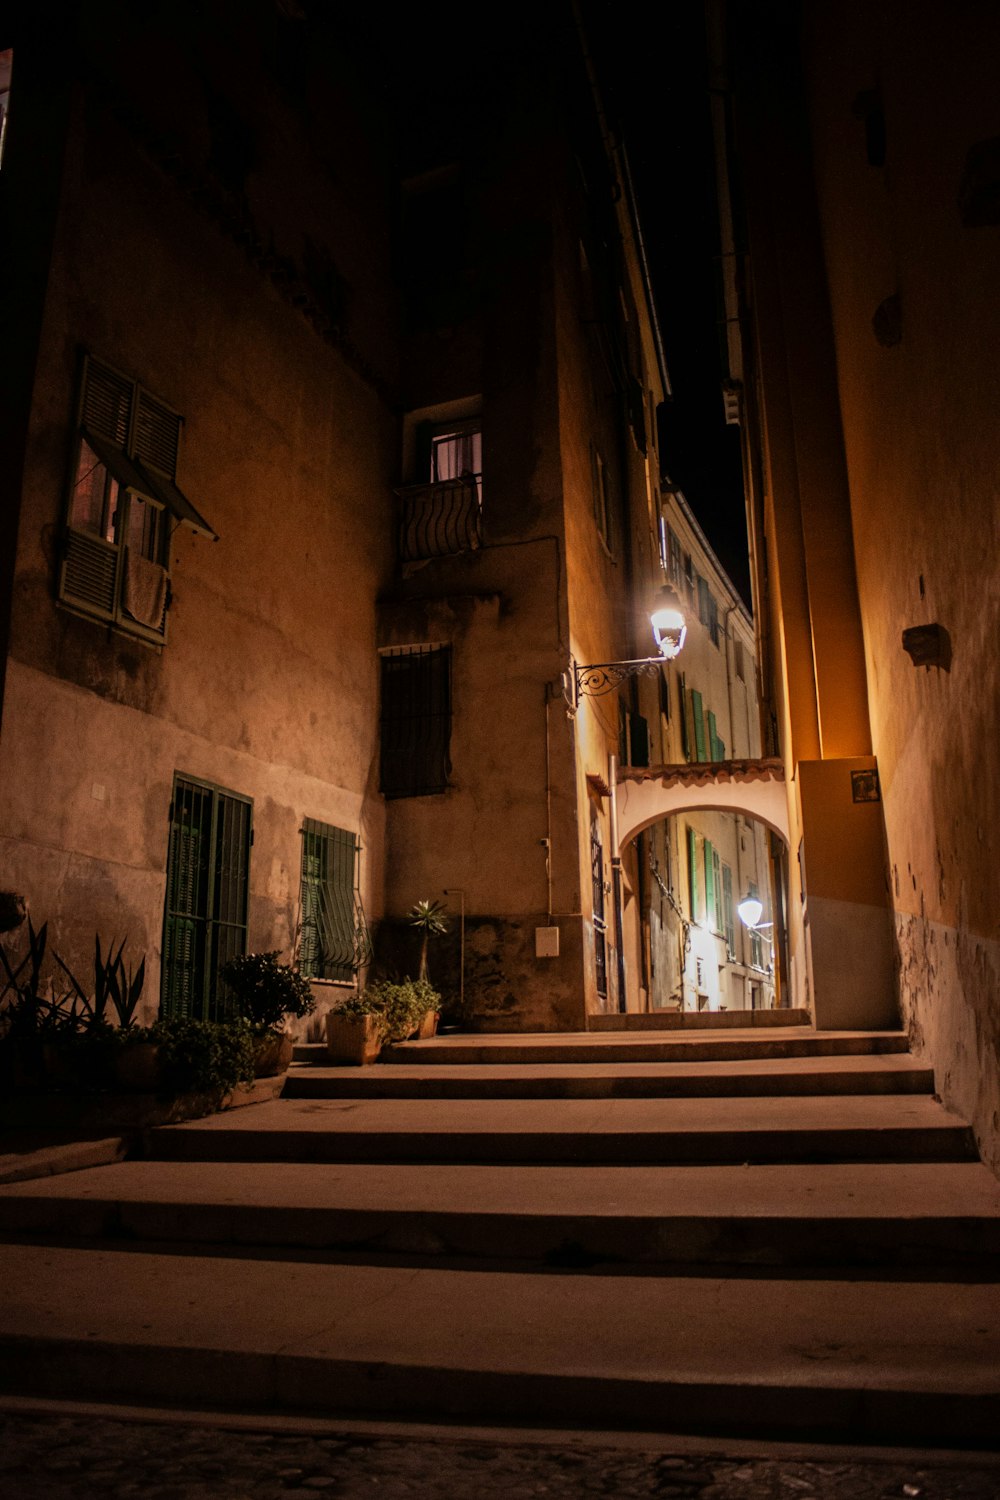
273, 1054
353, 1039
428, 1026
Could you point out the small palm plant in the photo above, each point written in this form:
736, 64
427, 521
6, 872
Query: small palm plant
430, 920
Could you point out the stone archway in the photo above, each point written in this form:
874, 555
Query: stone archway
755, 788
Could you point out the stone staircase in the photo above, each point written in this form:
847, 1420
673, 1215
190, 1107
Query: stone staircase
749, 1230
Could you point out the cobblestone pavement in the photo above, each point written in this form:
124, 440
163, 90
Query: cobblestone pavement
59, 1457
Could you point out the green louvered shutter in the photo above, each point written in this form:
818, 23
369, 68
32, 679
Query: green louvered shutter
327, 942
205, 911
710, 858
727, 910
698, 715
685, 717
692, 857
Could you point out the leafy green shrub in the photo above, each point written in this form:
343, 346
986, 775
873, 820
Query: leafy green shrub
400, 1006
203, 1057
265, 992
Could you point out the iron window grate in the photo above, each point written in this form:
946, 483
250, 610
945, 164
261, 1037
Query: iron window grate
332, 928
416, 721
205, 917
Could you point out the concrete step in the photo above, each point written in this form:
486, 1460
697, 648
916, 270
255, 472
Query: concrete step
574, 1131
690, 1020
652, 1046
894, 1073
864, 1361
915, 1215
609, 1048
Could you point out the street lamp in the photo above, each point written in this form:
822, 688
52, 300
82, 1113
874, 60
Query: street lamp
669, 630
750, 911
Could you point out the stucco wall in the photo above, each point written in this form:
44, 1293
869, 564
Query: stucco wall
919, 421
267, 683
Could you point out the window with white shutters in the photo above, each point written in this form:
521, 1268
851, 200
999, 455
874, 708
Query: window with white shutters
123, 505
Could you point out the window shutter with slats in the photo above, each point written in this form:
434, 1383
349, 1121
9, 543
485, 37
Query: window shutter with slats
107, 403
156, 435
698, 715
88, 574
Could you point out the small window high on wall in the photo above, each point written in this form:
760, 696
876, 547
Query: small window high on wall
122, 506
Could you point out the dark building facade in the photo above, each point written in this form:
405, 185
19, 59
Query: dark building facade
330, 388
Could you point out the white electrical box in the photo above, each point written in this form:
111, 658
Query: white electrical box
546, 942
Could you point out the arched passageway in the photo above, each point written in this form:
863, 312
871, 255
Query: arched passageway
754, 788
685, 948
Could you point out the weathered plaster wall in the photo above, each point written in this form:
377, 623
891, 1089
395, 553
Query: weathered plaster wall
267, 684
919, 412
503, 610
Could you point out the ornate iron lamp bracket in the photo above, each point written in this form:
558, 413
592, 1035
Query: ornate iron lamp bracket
602, 677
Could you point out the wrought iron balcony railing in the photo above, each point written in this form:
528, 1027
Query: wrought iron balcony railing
442, 519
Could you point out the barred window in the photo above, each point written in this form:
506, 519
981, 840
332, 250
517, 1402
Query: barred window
205, 917
328, 946
416, 721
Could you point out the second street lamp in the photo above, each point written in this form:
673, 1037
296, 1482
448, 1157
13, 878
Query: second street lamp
669, 630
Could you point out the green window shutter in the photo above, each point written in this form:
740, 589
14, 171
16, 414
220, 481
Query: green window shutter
756, 942
713, 739
727, 910
692, 856
231, 872
205, 910
698, 715
685, 717
327, 944
710, 858
718, 911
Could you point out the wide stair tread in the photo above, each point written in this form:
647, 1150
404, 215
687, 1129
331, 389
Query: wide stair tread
892, 1073
653, 1046
917, 1214
841, 1357
794, 1239
575, 1131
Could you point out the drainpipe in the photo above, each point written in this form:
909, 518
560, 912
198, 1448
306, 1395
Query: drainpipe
616, 881
459, 891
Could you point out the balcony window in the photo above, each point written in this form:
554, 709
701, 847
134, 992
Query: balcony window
441, 515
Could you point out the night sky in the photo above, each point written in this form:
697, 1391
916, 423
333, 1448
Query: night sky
660, 95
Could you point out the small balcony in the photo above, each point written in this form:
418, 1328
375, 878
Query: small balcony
440, 519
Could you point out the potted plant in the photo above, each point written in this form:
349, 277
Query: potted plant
385, 1011
357, 1029
426, 1003
264, 993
